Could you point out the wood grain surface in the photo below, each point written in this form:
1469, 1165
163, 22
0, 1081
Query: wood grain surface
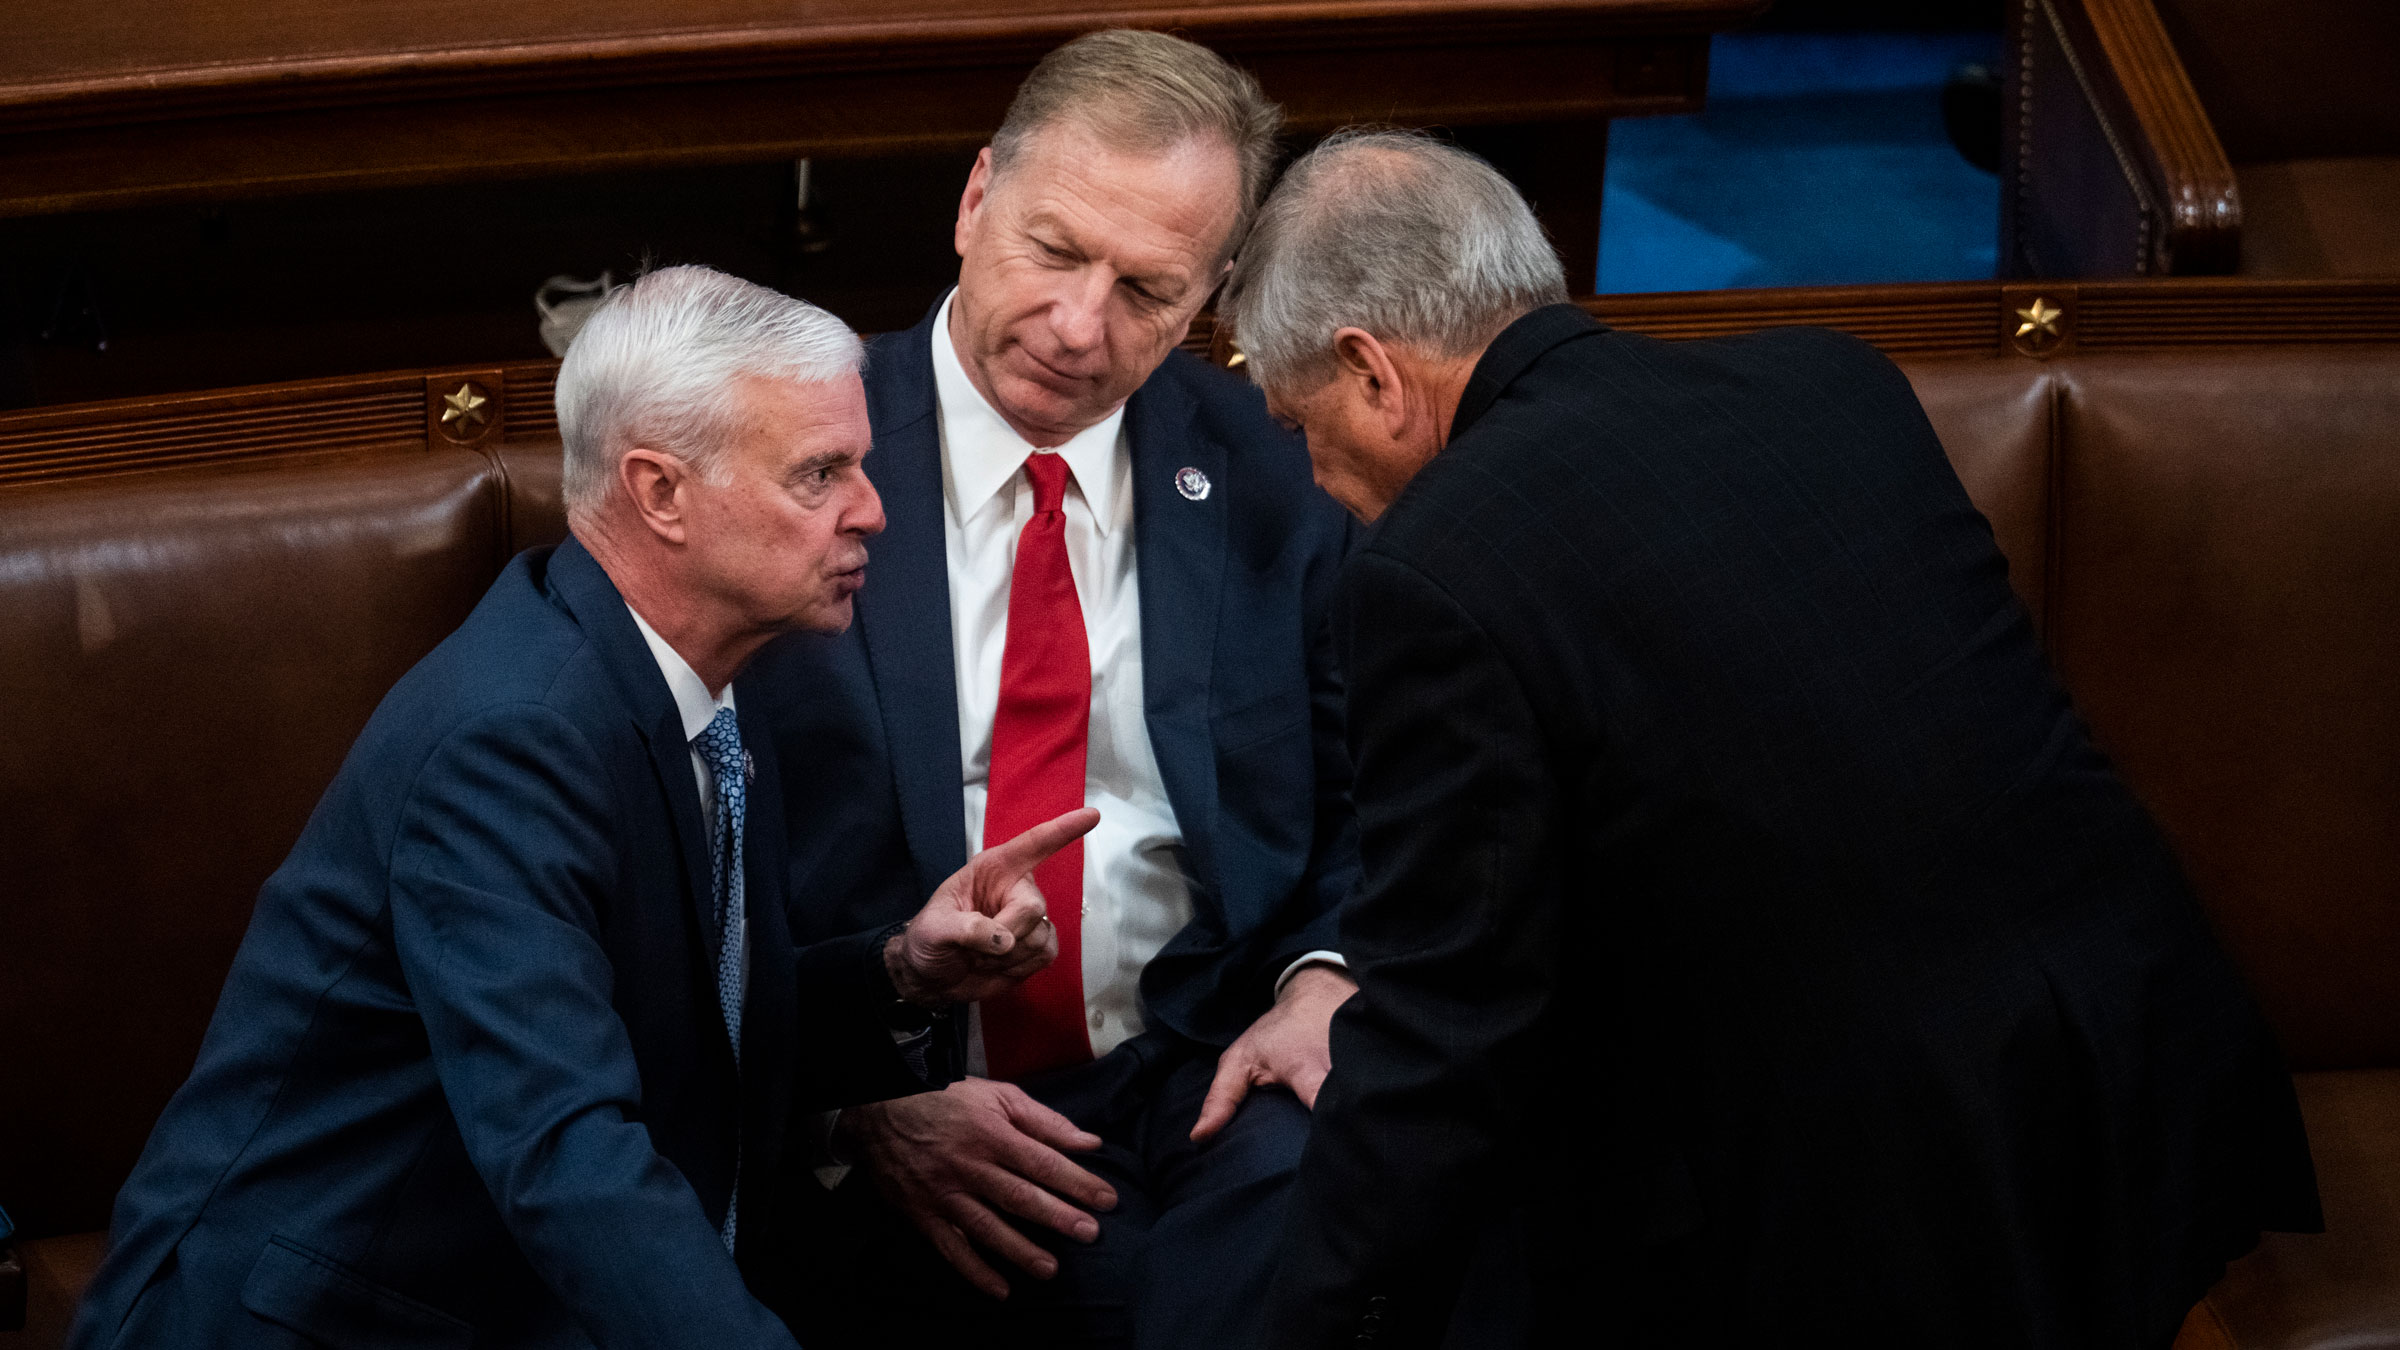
1965, 319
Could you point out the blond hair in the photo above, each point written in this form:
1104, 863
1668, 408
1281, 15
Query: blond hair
1147, 93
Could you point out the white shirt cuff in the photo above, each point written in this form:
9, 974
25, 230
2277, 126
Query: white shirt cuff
1333, 959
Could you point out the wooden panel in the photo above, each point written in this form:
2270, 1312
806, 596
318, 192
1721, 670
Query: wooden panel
159, 100
1975, 318
532, 412
377, 411
1937, 319
75, 63
1982, 318
2204, 311
401, 410
1942, 319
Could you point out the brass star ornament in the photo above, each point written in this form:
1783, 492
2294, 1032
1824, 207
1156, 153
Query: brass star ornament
464, 406
2040, 317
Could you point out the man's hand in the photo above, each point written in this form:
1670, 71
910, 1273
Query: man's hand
985, 929
1290, 1045
946, 1159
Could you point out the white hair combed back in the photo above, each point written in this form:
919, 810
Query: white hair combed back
1417, 242
655, 364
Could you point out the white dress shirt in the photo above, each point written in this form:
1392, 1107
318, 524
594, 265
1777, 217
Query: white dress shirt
697, 707
1135, 892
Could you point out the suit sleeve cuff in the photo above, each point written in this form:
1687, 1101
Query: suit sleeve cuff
1307, 959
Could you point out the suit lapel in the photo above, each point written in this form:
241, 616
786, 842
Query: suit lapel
600, 611
904, 610
1179, 551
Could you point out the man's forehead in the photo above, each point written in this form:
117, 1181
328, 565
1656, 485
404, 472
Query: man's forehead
827, 406
1181, 198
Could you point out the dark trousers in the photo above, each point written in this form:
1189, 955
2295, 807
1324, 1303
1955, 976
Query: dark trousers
1182, 1261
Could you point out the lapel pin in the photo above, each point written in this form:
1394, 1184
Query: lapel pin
1192, 483
749, 769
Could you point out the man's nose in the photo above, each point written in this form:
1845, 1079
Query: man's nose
866, 516
1080, 314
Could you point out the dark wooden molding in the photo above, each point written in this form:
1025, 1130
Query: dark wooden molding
201, 77
382, 412
2096, 92
1980, 318
2179, 148
97, 113
226, 426
402, 410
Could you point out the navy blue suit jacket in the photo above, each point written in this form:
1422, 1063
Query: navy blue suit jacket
468, 1080
1243, 704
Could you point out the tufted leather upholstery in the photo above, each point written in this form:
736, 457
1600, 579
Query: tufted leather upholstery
2205, 538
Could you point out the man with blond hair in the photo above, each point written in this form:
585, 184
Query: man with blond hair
1103, 584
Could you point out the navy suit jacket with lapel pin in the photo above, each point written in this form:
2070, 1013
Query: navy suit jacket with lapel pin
1243, 703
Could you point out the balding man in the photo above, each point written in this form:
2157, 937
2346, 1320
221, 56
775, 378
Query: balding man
507, 1055
1103, 584
1739, 888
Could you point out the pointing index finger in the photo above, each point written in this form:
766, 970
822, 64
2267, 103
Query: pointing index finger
1019, 856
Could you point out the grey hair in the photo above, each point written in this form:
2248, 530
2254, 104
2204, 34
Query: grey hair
1147, 93
654, 366
1417, 242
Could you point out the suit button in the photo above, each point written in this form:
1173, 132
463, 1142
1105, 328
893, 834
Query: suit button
1099, 1019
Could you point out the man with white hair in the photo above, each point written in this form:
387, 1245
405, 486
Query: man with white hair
1741, 894
507, 1054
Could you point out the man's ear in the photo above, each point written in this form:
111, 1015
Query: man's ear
971, 201
655, 483
1365, 361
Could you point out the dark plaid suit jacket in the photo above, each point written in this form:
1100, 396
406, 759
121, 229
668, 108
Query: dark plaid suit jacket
1744, 900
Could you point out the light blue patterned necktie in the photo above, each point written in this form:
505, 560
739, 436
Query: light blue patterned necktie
720, 747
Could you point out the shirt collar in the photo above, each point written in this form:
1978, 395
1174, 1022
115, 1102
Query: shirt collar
692, 700
981, 452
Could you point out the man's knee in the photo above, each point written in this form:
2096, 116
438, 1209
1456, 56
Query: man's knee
1259, 1148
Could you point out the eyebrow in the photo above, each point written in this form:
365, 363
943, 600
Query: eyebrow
1052, 232
828, 459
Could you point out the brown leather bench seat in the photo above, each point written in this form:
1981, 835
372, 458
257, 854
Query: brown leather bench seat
2203, 526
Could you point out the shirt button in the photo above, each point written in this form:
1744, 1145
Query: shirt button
1098, 1020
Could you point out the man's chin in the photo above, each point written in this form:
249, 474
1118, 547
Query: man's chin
1045, 410
828, 618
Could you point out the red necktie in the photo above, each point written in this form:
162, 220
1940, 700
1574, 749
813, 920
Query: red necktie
1038, 740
